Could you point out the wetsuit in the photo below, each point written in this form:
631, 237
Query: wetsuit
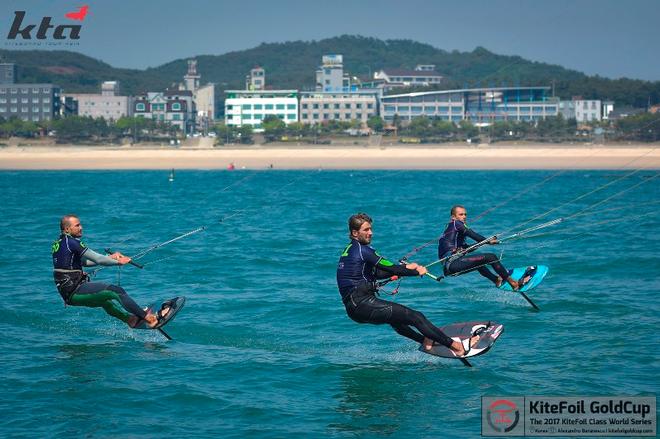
357, 272
69, 256
453, 240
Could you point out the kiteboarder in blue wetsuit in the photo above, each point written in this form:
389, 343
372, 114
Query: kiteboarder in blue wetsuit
452, 245
359, 269
69, 257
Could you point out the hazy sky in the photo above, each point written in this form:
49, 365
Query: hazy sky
611, 38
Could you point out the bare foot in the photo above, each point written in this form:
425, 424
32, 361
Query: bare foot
428, 344
498, 282
513, 284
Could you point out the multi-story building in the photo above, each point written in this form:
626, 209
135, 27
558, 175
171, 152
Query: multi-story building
330, 77
581, 110
34, 102
479, 105
175, 107
423, 76
203, 97
108, 105
247, 107
256, 80
319, 107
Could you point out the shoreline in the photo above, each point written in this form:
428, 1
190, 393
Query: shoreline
417, 157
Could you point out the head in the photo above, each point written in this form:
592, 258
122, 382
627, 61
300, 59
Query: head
70, 224
458, 212
359, 228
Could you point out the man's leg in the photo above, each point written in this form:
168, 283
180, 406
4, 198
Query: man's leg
98, 294
479, 262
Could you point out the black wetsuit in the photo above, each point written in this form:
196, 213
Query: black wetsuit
453, 240
357, 272
69, 255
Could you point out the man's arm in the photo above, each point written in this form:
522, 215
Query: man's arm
90, 259
385, 268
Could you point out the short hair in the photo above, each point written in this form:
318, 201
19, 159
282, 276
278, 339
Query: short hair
64, 222
453, 209
356, 221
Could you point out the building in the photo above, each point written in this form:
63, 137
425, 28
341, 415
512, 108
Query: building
108, 105
479, 105
33, 102
319, 107
330, 77
423, 75
174, 107
203, 97
256, 80
247, 107
581, 110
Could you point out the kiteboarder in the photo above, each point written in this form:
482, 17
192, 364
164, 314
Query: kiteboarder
70, 254
452, 250
359, 268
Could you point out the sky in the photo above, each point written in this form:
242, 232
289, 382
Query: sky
610, 38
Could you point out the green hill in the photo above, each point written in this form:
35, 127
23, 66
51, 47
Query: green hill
293, 65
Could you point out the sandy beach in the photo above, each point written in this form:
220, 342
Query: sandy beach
541, 156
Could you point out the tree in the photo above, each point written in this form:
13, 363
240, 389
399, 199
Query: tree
245, 134
376, 124
273, 128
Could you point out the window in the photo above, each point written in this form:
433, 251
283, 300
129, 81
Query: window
304, 106
46, 109
358, 105
258, 116
24, 109
304, 116
229, 107
326, 116
140, 107
3, 100
176, 106
370, 106
246, 106
347, 116
358, 116
389, 108
3, 109
268, 106
176, 117
35, 100
279, 106
404, 108
416, 109
281, 116
326, 106
14, 101
347, 106
24, 90
290, 106
291, 117
429, 110
14, 91
336, 106
46, 90
336, 116
35, 109
315, 116
258, 106
247, 116
3, 90
315, 106
35, 90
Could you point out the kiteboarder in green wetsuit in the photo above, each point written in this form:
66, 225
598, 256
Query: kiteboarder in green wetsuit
69, 257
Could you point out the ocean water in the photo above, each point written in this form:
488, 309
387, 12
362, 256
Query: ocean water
263, 347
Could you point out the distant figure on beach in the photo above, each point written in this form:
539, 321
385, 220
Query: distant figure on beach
359, 268
231, 167
452, 243
69, 257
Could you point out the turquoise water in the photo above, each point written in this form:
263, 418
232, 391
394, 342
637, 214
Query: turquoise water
263, 347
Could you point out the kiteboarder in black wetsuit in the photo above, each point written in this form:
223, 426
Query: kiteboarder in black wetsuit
70, 255
452, 242
357, 272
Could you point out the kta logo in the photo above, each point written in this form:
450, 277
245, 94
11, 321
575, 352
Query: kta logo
59, 32
498, 417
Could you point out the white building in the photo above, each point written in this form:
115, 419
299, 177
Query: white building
108, 105
330, 77
423, 76
174, 107
581, 110
247, 107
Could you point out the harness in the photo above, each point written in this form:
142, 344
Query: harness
68, 281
